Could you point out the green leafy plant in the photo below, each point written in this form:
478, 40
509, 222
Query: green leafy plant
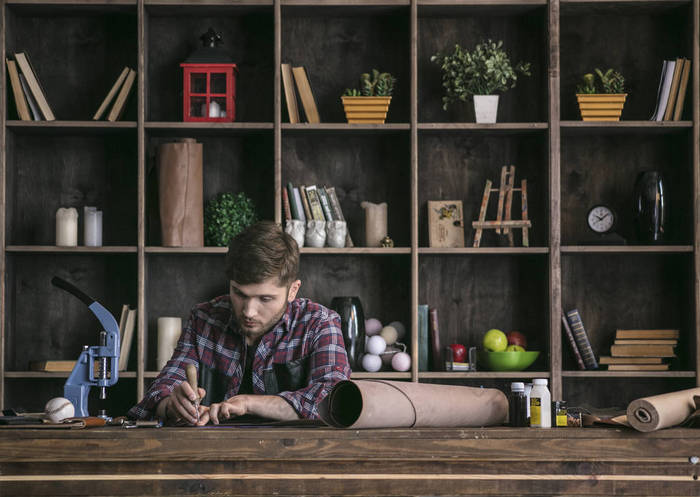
611, 81
482, 71
225, 216
379, 84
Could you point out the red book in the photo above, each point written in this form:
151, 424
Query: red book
435, 349
285, 204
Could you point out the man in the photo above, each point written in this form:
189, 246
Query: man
258, 350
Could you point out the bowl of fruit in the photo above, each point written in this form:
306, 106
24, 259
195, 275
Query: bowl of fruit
505, 351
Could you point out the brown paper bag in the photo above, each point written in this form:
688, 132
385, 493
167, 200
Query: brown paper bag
180, 193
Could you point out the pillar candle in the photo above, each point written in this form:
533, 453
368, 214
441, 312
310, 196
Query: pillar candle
169, 329
66, 227
92, 227
375, 223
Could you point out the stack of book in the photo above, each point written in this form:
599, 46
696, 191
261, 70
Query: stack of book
30, 99
290, 75
641, 350
313, 202
572, 324
673, 86
121, 89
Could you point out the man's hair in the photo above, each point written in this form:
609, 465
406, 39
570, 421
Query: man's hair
260, 252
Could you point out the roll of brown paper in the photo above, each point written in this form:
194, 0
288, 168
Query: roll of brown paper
661, 411
180, 193
396, 404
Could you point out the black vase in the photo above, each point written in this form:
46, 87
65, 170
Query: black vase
651, 207
353, 326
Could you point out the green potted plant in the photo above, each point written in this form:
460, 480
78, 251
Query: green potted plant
478, 74
370, 102
603, 102
225, 216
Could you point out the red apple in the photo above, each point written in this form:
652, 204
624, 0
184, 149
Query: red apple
516, 338
459, 352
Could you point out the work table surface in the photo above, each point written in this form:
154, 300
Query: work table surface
322, 461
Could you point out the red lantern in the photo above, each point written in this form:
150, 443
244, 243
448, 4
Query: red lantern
209, 83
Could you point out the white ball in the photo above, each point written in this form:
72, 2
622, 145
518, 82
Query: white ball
389, 334
375, 345
372, 327
58, 409
371, 363
401, 361
400, 329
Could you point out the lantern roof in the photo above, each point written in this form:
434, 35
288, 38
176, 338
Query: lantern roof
209, 52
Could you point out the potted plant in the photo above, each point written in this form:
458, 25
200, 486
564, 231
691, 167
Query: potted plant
601, 106
225, 216
479, 73
369, 103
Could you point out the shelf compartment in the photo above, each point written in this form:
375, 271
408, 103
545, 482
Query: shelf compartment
628, 374
236, 163
523, 30
471, 161
617, 392
484, 251
48, 172
626, 249
603, 169
186, 250
206, 129
496, 128
477, 375
97, 40
343, 128
361, 168
41, 375
624, 127
58, 128
630, 291
173, 32
51, 249
473, 294
355, 251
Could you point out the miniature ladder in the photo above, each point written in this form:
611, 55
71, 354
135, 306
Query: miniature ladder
503, 222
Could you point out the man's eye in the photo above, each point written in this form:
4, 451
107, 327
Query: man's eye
266, 299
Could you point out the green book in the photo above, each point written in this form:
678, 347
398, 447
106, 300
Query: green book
423, 344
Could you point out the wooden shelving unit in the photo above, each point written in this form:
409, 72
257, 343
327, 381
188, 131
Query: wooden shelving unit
422, 153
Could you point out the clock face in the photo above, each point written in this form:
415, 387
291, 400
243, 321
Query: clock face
601, 219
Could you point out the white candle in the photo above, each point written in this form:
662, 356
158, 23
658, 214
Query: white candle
66, 227
169, 329
92, 227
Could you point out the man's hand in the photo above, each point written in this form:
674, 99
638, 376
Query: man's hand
235, 406
179, 405
266, 406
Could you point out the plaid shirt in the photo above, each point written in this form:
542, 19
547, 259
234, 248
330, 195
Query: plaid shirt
211, 336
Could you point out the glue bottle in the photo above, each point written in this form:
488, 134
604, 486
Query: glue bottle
540, 405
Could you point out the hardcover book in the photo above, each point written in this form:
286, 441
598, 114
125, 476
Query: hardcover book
572, 342
581, 337
436, 362
423, 342
315, 203
289, 94
306, 95
34, 86
20, 101
642, 351
647, 334
110, 95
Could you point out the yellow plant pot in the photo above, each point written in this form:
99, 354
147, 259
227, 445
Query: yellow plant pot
366, 110
601, 106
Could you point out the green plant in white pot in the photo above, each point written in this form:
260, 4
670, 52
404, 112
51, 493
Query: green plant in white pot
479, 73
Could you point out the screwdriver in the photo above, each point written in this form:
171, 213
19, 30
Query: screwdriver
191, 372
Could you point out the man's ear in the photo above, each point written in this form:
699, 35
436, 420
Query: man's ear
293, 289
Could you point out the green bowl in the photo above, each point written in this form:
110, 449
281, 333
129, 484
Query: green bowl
507, 361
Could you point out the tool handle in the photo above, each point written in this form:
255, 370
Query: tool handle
191, 372
70, 288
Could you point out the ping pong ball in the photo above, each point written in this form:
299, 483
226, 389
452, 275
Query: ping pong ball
389, 334
400, 329
58, 409
371, 363
401, 361
372, 327
375, 345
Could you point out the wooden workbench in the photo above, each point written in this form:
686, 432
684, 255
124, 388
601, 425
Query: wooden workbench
321, 461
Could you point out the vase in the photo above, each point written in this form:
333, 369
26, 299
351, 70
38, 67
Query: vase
486, 108
651, 207
352, 320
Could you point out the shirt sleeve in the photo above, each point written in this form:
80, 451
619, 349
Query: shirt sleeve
328, 366
172, 374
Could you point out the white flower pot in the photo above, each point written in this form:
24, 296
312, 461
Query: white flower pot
485, 108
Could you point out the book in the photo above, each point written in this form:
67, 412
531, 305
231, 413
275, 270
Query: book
630, 360
306, 95
298, 205
638, 367
658, 341
110, 95
52, 366
325, 203
20, 100
647, 334
120, 102
338, 212
572, 342
315, 203
642, 351
581, 337
664, 89
445, 223
289, 93
423, 343
285, 204
682, 90
305, 201
673, 91
37, 91
292, 201
127, 338
436, 362
33, 107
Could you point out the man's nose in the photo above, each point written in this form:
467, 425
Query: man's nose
249, 309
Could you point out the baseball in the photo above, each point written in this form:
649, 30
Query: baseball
58, 409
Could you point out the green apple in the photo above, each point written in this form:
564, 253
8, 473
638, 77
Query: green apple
495, 340
515, 348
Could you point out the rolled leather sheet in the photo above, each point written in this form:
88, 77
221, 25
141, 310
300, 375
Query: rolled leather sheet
180, 191
661, 411
396, 404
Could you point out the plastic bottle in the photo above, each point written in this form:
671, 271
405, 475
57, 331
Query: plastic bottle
528, 389
540, 405
517, 414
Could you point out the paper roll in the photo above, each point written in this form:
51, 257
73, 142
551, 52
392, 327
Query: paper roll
169, 329
661, 411
396, 404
